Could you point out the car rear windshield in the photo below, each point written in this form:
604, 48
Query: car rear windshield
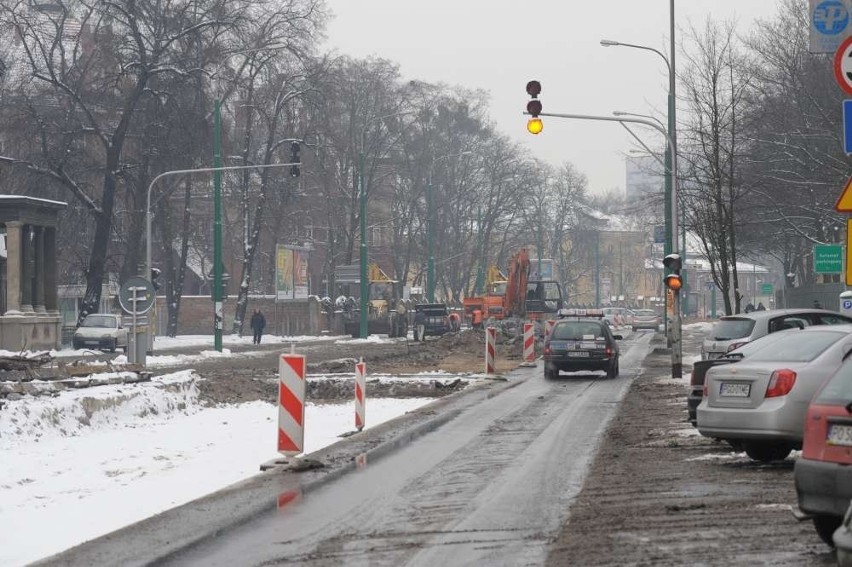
577, 330
839, 387
730, 329
795, 346
644, 313
99, 321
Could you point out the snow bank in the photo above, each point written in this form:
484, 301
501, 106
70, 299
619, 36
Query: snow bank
30, 419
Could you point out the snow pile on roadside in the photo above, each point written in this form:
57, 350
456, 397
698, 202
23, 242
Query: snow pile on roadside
127, 405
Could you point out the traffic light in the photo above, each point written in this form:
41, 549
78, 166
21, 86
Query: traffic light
674, 263
295, 148
155, 275
534, 124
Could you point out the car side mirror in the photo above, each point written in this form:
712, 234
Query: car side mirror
618, 337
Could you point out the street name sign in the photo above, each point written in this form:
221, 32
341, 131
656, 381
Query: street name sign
766, 289
831, 23
828, 258
843, 65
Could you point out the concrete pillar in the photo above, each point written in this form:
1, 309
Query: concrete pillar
51, 290
27, 268
39, 270
14, 261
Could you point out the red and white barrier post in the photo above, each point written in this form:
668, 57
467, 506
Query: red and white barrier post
548, 328
529, 345
490, 349
360, 393
291, 404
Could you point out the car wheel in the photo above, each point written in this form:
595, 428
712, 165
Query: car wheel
736, 444
767, 452
612, 371
550, 372
113, 345
825, 526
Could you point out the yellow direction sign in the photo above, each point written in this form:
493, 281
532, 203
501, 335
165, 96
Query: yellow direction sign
844, 203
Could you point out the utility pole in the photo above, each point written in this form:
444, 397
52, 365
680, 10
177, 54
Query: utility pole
218, 307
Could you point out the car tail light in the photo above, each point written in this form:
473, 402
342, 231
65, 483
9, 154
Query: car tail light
608, 350
736, 345
547, 349
704, 390
780, 383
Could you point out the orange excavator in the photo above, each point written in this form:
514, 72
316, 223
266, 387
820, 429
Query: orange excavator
504, 295
516, 295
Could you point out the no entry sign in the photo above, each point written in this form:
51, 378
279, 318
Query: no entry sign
843, 65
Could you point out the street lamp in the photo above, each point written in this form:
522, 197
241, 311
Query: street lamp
362, 214
671, 156
430, 265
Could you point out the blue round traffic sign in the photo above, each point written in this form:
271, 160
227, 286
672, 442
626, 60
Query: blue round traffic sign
847, 304
831, 17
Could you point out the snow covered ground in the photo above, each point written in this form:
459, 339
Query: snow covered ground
86, 462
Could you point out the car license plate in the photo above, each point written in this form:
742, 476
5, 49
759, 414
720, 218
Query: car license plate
839, 434
735, 390
578, 353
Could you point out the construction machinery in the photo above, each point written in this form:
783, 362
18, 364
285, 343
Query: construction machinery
385, 315
516, 295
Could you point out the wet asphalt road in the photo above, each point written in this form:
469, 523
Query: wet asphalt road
491, 486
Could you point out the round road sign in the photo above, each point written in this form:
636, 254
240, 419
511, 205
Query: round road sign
136, 295
843, 65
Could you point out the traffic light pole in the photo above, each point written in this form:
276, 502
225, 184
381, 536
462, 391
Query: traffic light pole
675, 327
215, 170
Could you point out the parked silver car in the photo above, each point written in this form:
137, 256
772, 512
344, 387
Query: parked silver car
732, 331
762, 400
101, 331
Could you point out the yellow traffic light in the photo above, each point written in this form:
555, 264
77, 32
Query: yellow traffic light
674, 282
535, 125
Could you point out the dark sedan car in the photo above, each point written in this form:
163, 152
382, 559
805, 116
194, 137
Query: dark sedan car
581, 340
437, 319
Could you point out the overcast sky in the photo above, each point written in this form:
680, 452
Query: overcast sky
498, 45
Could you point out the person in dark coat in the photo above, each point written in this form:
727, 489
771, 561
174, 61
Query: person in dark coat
258, 322
419, 326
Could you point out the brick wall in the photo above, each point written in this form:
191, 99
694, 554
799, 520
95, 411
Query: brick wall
282, 318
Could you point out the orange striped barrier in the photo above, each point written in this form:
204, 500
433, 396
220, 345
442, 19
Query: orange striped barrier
548, 328
529, 345
360, 393
490, 349
291, 404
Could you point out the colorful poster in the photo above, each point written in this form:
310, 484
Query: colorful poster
283, 272
291, 272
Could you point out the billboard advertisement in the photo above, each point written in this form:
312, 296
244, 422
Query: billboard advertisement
291, 272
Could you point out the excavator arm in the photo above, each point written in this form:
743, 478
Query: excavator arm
514, 302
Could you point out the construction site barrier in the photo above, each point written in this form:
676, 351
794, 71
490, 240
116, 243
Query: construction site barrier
529, 344
291, 404
360, 393
490, 349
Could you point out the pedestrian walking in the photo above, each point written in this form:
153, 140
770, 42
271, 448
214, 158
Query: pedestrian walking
258, 322
419, 326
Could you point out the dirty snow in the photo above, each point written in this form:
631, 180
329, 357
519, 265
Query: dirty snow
118, 454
